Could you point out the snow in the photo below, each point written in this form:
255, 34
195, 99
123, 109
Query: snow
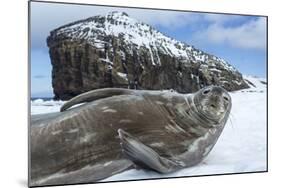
122, 75
106, 61
242, 146
256, 81
39, 106
215, 70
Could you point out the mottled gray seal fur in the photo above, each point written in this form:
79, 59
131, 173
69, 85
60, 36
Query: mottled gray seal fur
118, 129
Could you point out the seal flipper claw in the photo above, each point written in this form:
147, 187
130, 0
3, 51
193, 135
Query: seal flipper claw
144, 155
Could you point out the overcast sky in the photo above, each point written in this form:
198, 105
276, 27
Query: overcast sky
241, 40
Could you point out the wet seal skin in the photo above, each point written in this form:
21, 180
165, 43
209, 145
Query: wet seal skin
114, 130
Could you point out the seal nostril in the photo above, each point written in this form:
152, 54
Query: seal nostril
225, 98
212, 105
206, 91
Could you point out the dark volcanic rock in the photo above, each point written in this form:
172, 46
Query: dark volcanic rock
117, 51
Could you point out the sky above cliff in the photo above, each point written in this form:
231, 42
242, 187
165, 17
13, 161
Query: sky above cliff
241, 40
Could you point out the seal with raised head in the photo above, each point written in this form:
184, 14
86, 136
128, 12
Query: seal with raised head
118, 129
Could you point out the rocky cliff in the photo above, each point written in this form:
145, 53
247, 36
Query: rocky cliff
116, 50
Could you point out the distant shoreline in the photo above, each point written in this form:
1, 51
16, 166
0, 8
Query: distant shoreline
43, 98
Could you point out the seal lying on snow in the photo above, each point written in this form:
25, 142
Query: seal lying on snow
117, 129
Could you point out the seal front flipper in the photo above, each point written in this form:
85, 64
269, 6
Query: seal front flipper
95, 95
146, 156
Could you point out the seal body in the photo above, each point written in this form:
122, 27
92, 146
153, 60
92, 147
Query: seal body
161, 131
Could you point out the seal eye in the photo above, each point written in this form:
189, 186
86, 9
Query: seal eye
206, 91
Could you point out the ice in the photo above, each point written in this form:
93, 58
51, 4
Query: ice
241, 147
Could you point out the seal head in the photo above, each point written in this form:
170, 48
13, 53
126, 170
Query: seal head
213, 103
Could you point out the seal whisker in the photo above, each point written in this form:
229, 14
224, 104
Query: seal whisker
230, 120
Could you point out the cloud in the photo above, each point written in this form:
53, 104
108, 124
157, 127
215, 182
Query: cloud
48, 16
220, 18
249, 35
167, 19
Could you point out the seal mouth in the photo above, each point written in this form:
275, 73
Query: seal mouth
212, 112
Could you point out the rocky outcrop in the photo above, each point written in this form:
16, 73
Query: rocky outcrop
118, 51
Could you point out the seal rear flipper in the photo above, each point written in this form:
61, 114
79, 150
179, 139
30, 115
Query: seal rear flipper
146, 156
95, 95
88, 174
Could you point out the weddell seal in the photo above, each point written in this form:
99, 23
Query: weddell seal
113, 130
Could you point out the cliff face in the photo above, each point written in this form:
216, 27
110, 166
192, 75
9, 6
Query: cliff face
118, 51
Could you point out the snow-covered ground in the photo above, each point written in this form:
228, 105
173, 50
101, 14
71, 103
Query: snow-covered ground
39, 106
240, 148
